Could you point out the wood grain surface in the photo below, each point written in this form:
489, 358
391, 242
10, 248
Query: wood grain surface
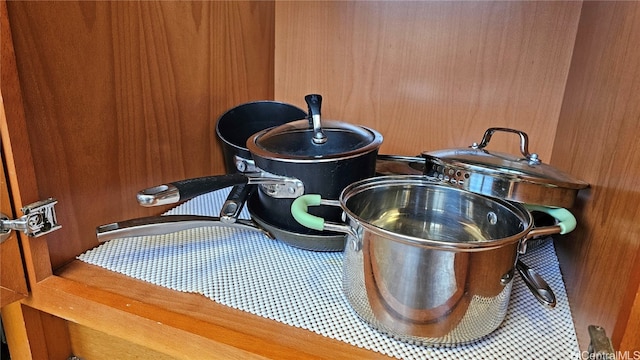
30, 334
92, 344
597, 141
13, 281
430, 75
16, 148
121, 96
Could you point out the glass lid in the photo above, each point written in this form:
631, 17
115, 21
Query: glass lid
297, 139
313, 138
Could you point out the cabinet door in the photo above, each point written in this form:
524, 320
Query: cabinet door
13, 284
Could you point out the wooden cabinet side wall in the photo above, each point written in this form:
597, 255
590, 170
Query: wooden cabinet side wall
597, 141
121, 96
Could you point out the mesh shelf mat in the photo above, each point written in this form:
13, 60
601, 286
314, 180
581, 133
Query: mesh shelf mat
247, 271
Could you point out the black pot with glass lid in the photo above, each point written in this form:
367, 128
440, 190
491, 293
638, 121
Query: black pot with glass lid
302, 156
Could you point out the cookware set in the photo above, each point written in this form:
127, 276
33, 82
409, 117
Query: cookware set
431, 243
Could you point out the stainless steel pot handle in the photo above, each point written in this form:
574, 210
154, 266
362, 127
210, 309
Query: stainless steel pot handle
565, 223
400, 165
299, 211
524, 143
159, 225
538, 286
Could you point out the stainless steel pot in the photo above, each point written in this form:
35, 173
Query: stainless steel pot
427, 262
523, 178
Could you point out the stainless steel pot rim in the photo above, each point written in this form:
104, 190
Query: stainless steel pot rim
373, 145
420, 180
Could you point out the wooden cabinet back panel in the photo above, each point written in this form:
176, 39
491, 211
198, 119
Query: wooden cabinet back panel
430, 75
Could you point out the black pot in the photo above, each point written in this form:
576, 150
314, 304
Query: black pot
233, 128
348, 155
239, 123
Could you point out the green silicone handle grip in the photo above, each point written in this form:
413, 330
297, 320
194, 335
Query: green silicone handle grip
566, 221
299, 210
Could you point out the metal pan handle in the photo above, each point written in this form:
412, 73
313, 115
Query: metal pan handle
538, 286
235, 202
159, 225
299, 211
171, 193
565, 223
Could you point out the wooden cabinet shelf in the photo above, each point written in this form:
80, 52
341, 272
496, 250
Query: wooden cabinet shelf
174, 323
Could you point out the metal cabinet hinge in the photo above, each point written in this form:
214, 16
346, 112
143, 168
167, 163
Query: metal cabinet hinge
39, 219
600, 347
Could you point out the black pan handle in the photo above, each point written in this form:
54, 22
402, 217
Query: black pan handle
314, 102
182, 190
235, 202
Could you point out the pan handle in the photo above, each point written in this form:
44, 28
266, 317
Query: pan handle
235, 202
159, 225
400, 165
171, 193
182, 190
299, 211
565, 223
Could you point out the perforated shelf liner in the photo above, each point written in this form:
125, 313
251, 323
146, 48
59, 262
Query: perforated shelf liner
247, 271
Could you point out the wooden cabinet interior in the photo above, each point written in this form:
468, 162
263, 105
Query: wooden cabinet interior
119, 96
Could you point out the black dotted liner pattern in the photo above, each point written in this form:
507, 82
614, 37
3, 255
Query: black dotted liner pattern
247, 271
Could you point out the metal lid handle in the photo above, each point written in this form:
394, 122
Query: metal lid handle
524, 143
